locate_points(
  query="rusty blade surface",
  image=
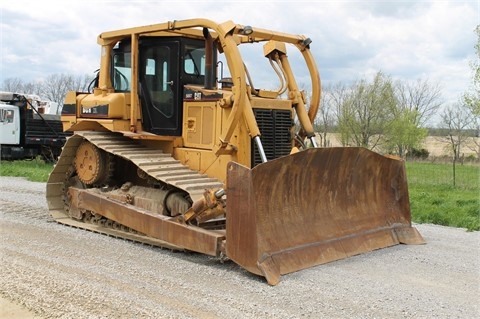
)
(313, 207)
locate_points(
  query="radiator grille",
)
(276, 129)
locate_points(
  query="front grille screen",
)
(276, 129)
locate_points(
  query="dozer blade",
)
(313, 207)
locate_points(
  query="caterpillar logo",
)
(101, 110)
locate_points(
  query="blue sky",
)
(407, 39)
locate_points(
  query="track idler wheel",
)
(92, 164)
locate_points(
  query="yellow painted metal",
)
(134, 102)
(301, 210)
(229, 35)
(199, 124)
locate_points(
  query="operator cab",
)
(166, 64)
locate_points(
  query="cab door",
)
(9, 125)
(160, 86)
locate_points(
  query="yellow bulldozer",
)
(168, 151)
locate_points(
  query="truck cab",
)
(28, 129)
(9, 124)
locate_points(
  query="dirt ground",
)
(10, 310)
(54, 271)
(437, 146)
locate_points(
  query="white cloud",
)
(351, 39)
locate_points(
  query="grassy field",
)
(437, 197)
(35, 170)
(433, 196)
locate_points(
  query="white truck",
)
(29, 127)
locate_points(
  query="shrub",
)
(418, 154)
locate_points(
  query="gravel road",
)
(54, 271)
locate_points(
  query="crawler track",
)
(156, 164)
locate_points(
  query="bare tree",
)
(325, 120)
(338, 94)
(32, 88)
(16, 85)
(81, 83)
(53, 88)
(56, 86)
(420, 98)
(458, 120)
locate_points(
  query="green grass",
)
(433, 196)
(34, 170)
(435, 199)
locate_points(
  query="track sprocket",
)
(92, 164)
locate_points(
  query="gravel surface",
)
(55, 271)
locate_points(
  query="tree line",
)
(378, 113)
(381, 114)
(53, 88)
(393, 116)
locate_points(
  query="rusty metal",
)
(314, 207)
(148, 223)
(209, 207)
